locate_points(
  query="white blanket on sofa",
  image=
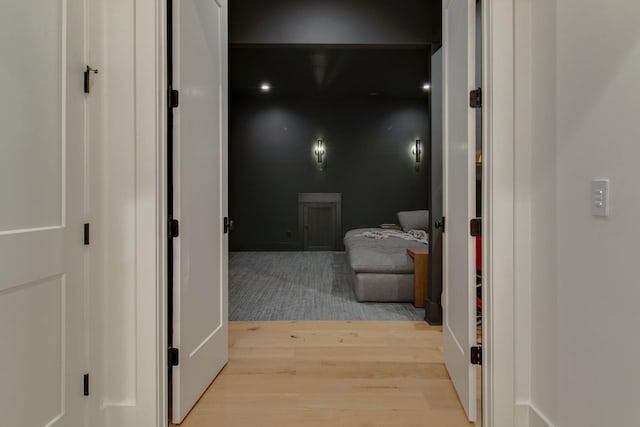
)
(412, 235)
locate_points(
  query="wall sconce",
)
(417, 151)
(319, 151)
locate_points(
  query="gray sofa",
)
(383, 271)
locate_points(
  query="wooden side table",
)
(420, 257)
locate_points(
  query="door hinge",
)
(475, 98)
(85, 381)
(173, 357)
(226, 225)
(87, 235)
(440, 224)
(174, 228)
(87, 78)
(174, 98)
(475, 227)
(476, 355)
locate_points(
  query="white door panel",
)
(41, 187)
(200, 201)
(459, 197)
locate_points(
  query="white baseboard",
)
(522, 414)
(527, 415)
(120, 415)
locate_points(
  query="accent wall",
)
(368, 158)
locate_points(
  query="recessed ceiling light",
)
(265, 87)
(426, 87)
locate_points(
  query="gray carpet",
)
(302, 286)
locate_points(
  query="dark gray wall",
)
(328, 22)
(368, 159)
(433, 309)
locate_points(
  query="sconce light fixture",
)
(319, 151)
(426, 87)
(417, 151)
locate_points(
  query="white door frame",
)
(498, 216)
(151, 212)
(499, 267)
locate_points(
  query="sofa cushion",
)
(414, 220)
(367, 255)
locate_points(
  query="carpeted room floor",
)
(301, 286)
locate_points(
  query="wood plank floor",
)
(331, 373)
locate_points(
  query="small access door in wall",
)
(319, 221)
(319, 232)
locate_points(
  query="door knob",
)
(440, 224)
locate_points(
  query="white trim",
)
(63, 111)
(162, 393)
(31, 230)
(537, 418)
(120, 415)
(523, 189)
(95, 195)
(531, 415)
(498, 213)
(522, 412)
(150, 212)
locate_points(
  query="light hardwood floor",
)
(331, 373)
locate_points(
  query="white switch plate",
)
(600, 197)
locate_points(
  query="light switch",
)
(600, 197)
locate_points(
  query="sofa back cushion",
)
(414, 220)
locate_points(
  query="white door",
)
(200, 199)
(459, 197)
(41, 213)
